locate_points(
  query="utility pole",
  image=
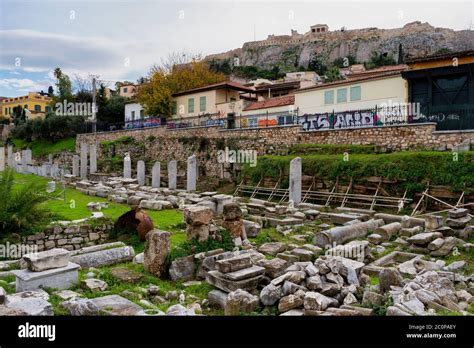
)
(94, 106)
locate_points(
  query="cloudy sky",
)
(121, 39)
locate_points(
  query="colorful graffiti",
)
(149, 122)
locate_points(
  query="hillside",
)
(291, 52)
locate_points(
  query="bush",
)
(223, 241)
(20, 208)
(51, 128)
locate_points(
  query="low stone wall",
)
(161, 144)
(71, 237)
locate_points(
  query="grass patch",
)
(75, 208)
(223, 241)
(413, 169)
(42, 148)
(331, 149)
(5, 283)
(117, 287)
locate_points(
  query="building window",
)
(202, 104)
(133, 115)
(142, 113)
(26, 106)
(190, 105)
(355, 93)
(329, 97)
(342, 95)
(47, 108)
(37, 108)
(125, 90)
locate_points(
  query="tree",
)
(63, 86)
(21, 209)
(156, 96)
(221, 66)
(112, 110)
(50, 91)
(115, 109)
(18, 115)
(333, 74)
(401, 58)
(344, 62)
(317, 64)
(379, 59)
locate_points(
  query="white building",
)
(134, 111)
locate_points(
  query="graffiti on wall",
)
(340, 120)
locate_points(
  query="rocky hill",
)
(290, 52)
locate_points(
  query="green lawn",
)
(117, 287)
(41, 148)
(75, 208)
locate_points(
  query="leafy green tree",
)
(377, 60)
(157, 95)
(18, 115)
(63, 87)
(318, 65)
(333, 74)
(112, 111)
(220, 66)
(344, 62)
(21, 209)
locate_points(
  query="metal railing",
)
(446, 118)
(453, 117)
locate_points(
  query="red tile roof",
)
(271, 103)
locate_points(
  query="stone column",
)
(46, 169)
(54, 170)
(157, 248)
(191, 174)
(29, 156)
(75, 165)
(127, 167)
(172, 174)
(84, 160)
(295, 180)
(24, 163)
(141, 173)
(93, 159)
(2, 158)
(10, 158)
(156, 175)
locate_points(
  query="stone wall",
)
(161, 144)
(71, 237)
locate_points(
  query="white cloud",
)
(36, 51)
(24, 85)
